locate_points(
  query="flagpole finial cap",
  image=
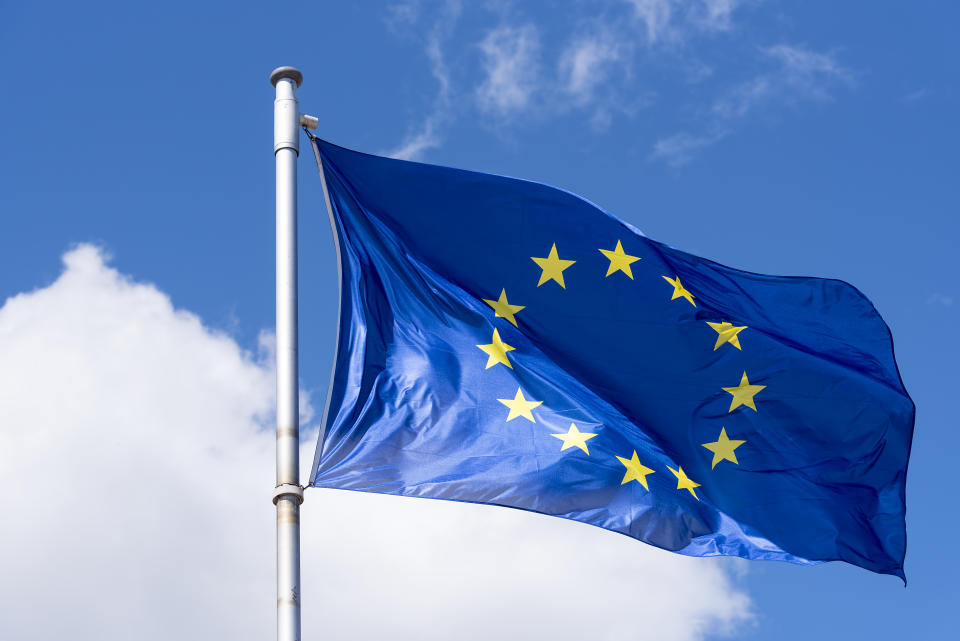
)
(286, 72)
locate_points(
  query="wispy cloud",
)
(593, 72)
(679, 149)
(809, 71)
(739, 100)
(716, 15)
(428, 134)
(593, 75)
(674, 21)
(511, 62)
(418, 142)
(587, 63)
(796, 74)
(523, 74)
(655, 16)
(936, 298)
(799, 74)
(402, 14)
(919, 94)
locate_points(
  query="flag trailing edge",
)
(506, 342)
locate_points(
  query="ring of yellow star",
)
(497, 351)
(636, 471)
(520, 406)
(619, 260)
(723, 448)
(679, 290)
(574, 438)
(552, 267)
(683, 482)
(726, 333)
(503, 309)
(743, 394)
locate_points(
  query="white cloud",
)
(440, 570)
(132, 465)
(136, 466)
(511, 66)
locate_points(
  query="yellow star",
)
(635, 471)
(619, 260)
(726, 333)
(743, 394)
(519, 406)
(552, 267)
(678, 290)
(503, 309)
(574, 438)
(683, 483)
(497, 351)
(723, 449)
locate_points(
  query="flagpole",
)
(288, 494)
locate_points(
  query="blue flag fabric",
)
(510, 343)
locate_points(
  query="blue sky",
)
(814, 138)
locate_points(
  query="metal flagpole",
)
(288, 494)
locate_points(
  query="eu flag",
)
(506, 342)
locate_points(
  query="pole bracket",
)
(288, 489)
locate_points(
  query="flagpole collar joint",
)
(280, 73)
(288, 489)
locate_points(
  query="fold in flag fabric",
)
(506, 342)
